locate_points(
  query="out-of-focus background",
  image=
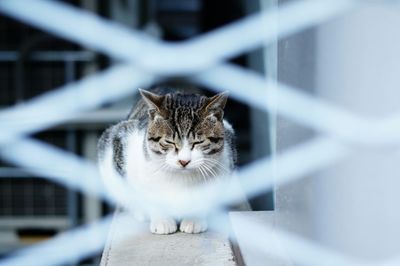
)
(335, 162)
(33, 62)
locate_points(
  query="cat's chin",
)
(182, 171)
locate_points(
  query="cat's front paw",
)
(163, 226)
(193, 226)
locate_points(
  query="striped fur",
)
(170, 142)
(181, 116)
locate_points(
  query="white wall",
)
(358, 68)
(352, 206)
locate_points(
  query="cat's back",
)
(116, 134)
(112, 144)
(116, 139)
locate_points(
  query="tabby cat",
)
(171, 142)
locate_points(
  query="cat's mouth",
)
(185, 169)
(180, 169)
(190, 171)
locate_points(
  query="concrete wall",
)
(353, 62)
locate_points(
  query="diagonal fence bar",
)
(70, 246)
(66, 102)
(303, 251)
(262, 29)
(65, 168)
(83, 175)
(251, 87)
(91, 238)
(166, 58)
(343, 119)
(80, 26)
(335, 152)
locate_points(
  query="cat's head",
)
(186, 132)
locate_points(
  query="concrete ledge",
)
(131, 243)
(273, 254)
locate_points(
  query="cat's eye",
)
(214, 139)
(197, 142)
(172, 143)
(155, 139)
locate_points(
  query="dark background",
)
(33, 62)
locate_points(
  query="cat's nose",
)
(184, 163)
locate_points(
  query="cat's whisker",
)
(209, 165)
(212, 166)
(163, 166)
(197, 161)
(158, 169)
(213, 172)
(217, 164)
(205, 174)
(198, 165)
(202, 172)
(207, 177)
(198, 169)
(206, 170)
(209, 169)
(222, 170)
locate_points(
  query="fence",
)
(143, 60)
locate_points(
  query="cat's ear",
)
(217, 101)
(216, 104)
(153, 101)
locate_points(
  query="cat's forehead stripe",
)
(184, 112)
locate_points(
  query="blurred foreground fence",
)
(142, 60)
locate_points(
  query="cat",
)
(171, 142)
